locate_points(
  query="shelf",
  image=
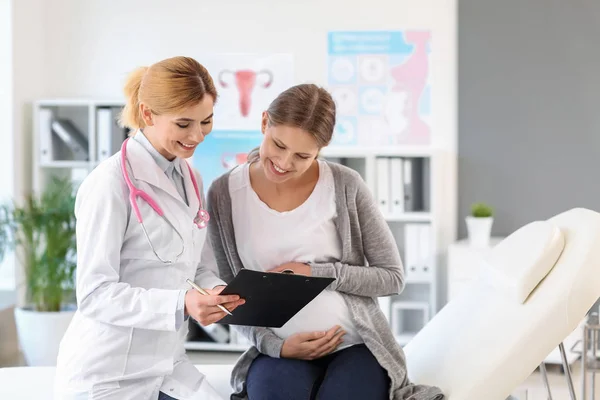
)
(391, 151)
(211, 346)
(409, 217)
(64, 102)
(66, 164)
(109, 103)
(80, 102)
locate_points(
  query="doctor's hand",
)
(298, 268)
(312, 345)
(204, 308)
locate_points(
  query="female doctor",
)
(141, 226)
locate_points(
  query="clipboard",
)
(272, 298)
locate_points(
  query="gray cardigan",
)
(364, 235)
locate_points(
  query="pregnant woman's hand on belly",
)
(204, 308)
(296, 267)
(312, 345)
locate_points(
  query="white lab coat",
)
(122, 342)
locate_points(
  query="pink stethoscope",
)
(201, 220)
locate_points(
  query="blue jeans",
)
(163, 396)
(351, 373)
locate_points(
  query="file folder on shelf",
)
(397, 186)
(413, 169)
(47, 152)
(418, 257)
(425, 269)
(72, 138)
(110, 134)
(383, 185)
(426, 185)
(411, 252)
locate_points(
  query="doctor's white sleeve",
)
(102, 209)
(207, 272)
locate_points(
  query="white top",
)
(267, 239)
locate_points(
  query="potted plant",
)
(41, 231)
(479, 224)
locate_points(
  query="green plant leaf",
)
(481, 210)
(43, 230)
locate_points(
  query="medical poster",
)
(380, 81)
(246, 84)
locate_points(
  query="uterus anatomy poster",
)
(380, 81)
(246, 85)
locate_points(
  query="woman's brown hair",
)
(305, 106)
(168, 86)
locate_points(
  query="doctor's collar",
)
(158, 158)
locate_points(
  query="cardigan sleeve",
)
(383, 272)
(220, 228)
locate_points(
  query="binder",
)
(383, 185)
(425, 254)
(426, 182)
(110, 134)
(397, 186)
(47, 152)
(408, 185)
(411, 252)
(104, 133)
(72, 137)
(413, 184)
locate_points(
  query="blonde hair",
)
(167, 86)
(305, 106)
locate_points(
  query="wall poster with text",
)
(380, 81)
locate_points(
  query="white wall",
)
(88, 47)
(26, 27)
(7, 280)
(91, 46)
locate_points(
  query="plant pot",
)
(40, 334)
(479, 230)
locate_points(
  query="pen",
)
(204, 292)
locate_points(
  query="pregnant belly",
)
(327, 310)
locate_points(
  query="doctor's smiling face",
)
(172, 103)
(178, 134)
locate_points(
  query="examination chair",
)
(531, 293)
(535, 288)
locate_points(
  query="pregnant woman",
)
(286, 209)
